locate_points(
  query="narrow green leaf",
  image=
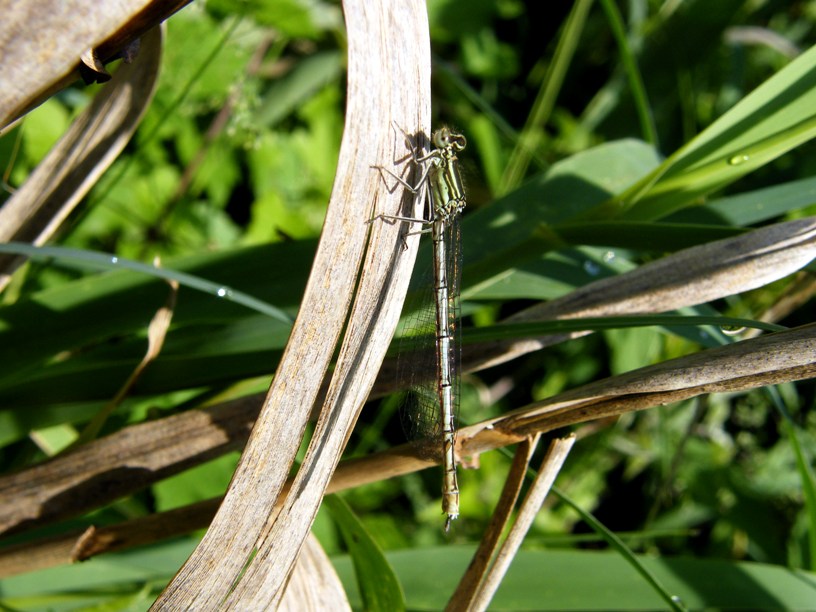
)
(531, 135)
(770, 121)
(376, 580)
(803, 465)
(672, 600)
(508, 331)
(592, 580)
(289, 93)
(639, 96)
(88, 312)
(752, 207)
(104, 261)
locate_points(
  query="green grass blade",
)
(532, 133)
(672, 601)
(378, 584)
(509, 331)
(808, 477)
(770, 121)
(639, 96)
(287, 94)
(103, 261)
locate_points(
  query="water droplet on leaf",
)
(591, 268)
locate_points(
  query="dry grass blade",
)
(79, 545)
(41, 55)
(550, 466)
(771, 359)
(76, 162)
(693, 276)
(776, 358)
(246, 556)
(156, 334)
(314, 584)
(468, 587)
(98, 473)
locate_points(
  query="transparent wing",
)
(417, 367)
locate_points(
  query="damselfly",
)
(445, 203)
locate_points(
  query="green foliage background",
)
(228, 178)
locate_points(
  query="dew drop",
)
(223, 292)
(609, 256)
(738, 159)
(591, 268)
(114, 260)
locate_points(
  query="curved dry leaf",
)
(247, 554)
(94, 65)
(72, 167)
(42, 41)
(771, 359)
(687, 278)
(314, 584)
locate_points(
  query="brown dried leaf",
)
(72, 167)
(42, 41)
(687, 278)
(314, 584)
(468, 588)
(246, 556)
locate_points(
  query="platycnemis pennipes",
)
(446, 202)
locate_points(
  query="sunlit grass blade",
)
(379, 586)
(531, 134)
(633, 74)
(74, 257)
(773, 119)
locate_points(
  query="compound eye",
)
(445, 138)
(441, 138)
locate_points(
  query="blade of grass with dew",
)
(103, 261)
(509, 331)
(773, 119)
